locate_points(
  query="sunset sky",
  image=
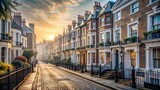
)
(51, 16)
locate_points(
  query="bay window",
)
(94, 25)
(108, 20)
(102, 22)
(108, 36)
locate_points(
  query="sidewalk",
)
(27, 84)
(108, 83)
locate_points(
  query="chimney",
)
(23, 22)
(87, 13)
(73, 23)
(18, 19)
(80, 18)
(31, 26)
(97, 6)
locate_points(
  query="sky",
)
(52, 16)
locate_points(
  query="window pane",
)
(108, 20)
(107, 57)
(102, 57)
(93, 57)
(108, 36)
(156, 57)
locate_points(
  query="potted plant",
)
(10, 37)
(134, 39)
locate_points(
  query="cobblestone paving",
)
(53, 78)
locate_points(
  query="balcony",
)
(5, 37)
(154, 34)
(80, 48)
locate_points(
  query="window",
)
(117, 35)
(101, 37)
(152, 1)
(94, 25)
(133, 30)
(102, 57)
(155, 21)
(17, 53)
(102, 22)
(3, 26)
(93, 58)
(107, 57)
(9, 25)
(108, 36)
(88, 40)
(117, 15)
(134, 7)
(88, 58)
(156, 57)
(108, 20)
(93, 40)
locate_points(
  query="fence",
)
(13, 79)
(149, 79)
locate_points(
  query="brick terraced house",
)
(120, 35)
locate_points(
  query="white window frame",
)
(131, 8)
(106, 35)
(150, 2)
(129, 31)
(149, 28)
(116, 28)
(152, 62)
(115, 16)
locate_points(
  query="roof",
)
(15, 25)
(83, 22)
(120, 3)
(107, 7)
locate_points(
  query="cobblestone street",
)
(52, 78)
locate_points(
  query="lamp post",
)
(122, 63)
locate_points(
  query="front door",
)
(117, 59)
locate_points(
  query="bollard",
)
(133, 78)
(8, 70)
(99, 71)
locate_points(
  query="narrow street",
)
(53, 78)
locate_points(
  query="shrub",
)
(28, 53)
(17, 63)
(4, 67)
(21, 58)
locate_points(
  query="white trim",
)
(150, 3)
(128, 28)
(149, 19)
(123, 6)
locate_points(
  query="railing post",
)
(91, 69)
(8, 70)
(133, 78)
(116, 75)
(99, 71)
(17, 76)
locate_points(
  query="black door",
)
(117, 59)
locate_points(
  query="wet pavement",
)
(53, 78)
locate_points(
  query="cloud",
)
(48, 15)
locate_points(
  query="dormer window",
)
(134, 8)
(117, 16)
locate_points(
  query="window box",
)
(131, 40)
(101, 44)
(152, 34)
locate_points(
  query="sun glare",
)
(50, 37)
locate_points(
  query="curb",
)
(89, 79)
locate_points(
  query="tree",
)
(6, 8)
(28, 53)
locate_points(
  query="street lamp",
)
(122, 63)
